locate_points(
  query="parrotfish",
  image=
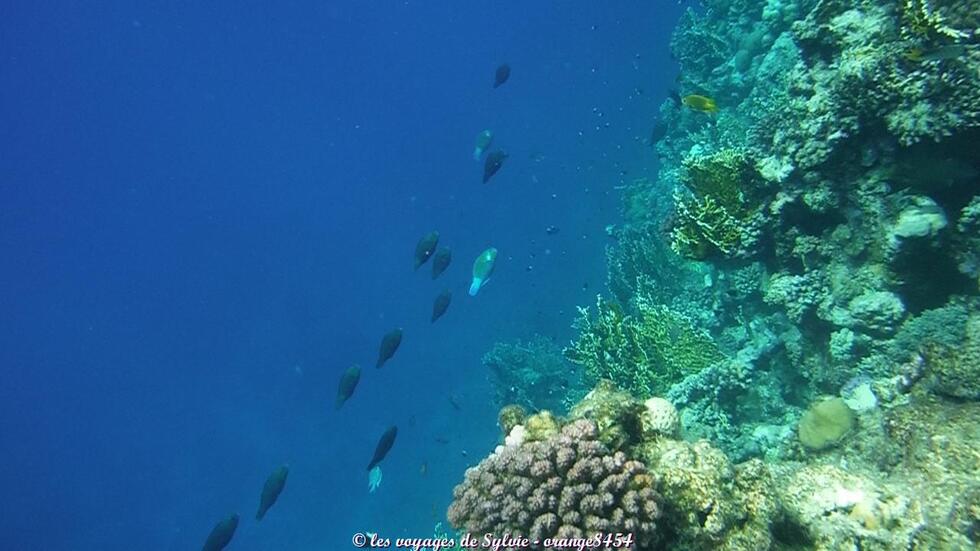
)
(270, 492)
(501, 76)
(440, 261)
(384, 446)
(221, 534)
(700, 103)
(348, 382)
(493, 163)
(389, 344)
(482, 270)
(483, 141)
(425, 247)
(374, 479)
(441, 304)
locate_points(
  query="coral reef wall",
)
(788, 356)
(823, 222)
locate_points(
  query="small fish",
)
(441, 439)
(440, 261)
(494, 161)
(482, 270)
(700, 103)
(348, 382)
(441, 304)
(221, 534)
(501, 75)
(425, 247)
(483, 141)
(658, 132)
(384, 446)
(270, 492)
(389, 344)
(552, 230)
(424, 468)
(455, 402)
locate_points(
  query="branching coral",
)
(718, 214)
(643, 353)
(921, 20)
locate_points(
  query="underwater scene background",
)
(733, 303)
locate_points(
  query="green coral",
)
(644, 353)
(825, 424)
(541, 426)
(510, 416)
(921, 20)
(716, 215)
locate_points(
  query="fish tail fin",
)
(475, 286)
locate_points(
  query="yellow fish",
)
(700, 103)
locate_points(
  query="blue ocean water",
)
(209, 211)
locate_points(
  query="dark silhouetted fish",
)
(501, 76)
(658, 132)
(454, 401)
(426, 246)
(493, 163)
(221, 534)
(270, 492)
(384, 446)
(440, 261)
(348, 382)
(441, 304)
(389, 344)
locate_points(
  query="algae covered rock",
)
(708, 502)
(541, 426)
(617, 415)
(510, 416)
(956, 371)
(829, 508)
(825, 424)
(877, 312)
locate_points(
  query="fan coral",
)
(530, 373)
(644, 354)
(569, 485)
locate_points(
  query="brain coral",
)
(825, 424)
(569, 485)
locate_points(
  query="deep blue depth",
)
(208, 212)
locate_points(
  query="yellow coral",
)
(644, 353)
(922, 21)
